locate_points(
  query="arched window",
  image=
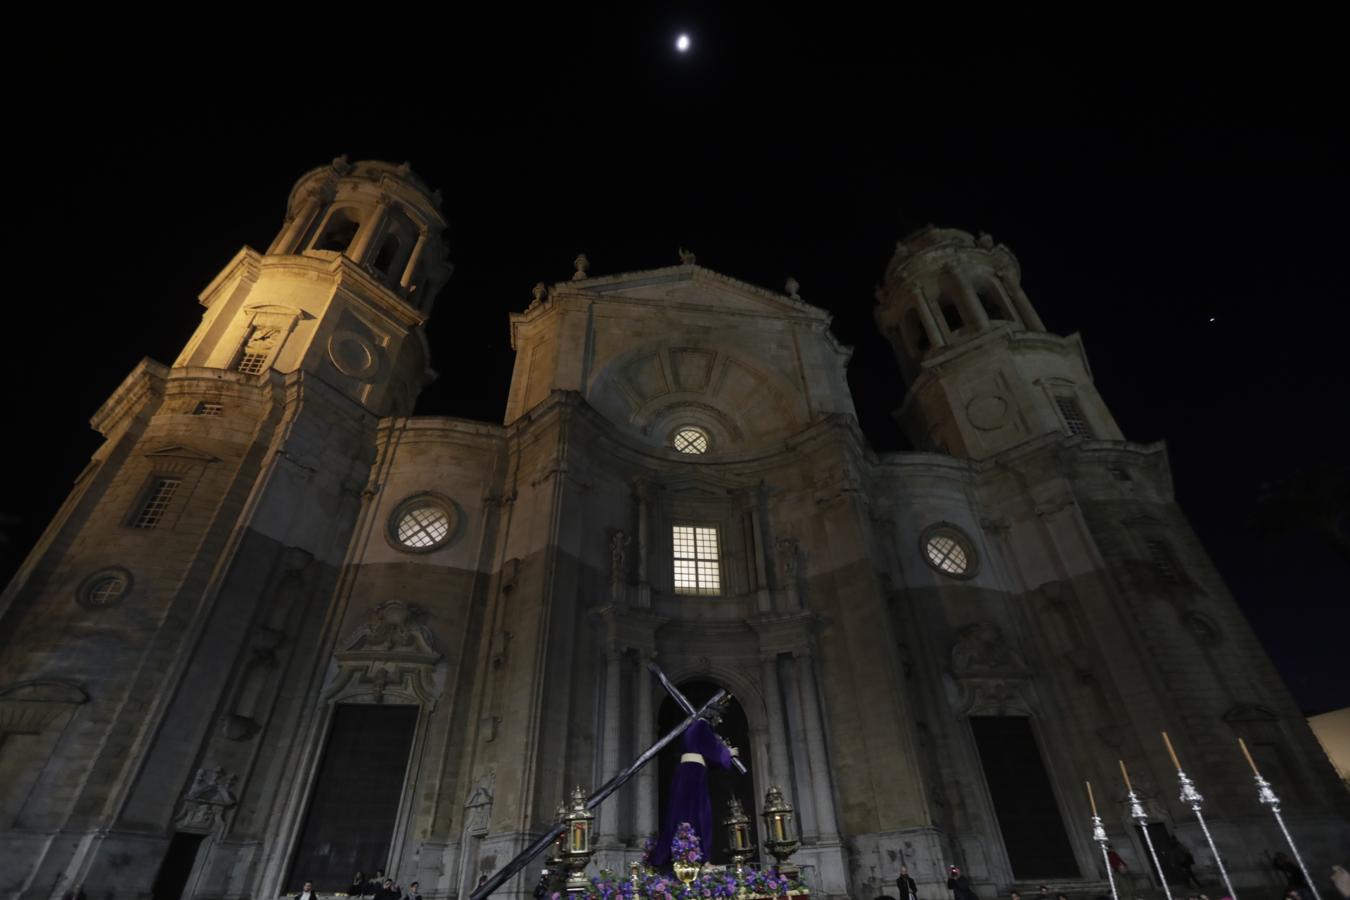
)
(992, 301)
(339, 230)
(390, 251)
(950, 313)
(918, 337)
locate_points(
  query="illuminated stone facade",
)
(268, 546)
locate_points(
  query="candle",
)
(1170, 752)
(1247, 753)
(1126, 775)
(1091, 799)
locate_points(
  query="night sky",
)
(1175, 190)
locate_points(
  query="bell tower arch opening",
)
(723, 784)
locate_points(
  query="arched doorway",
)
(722, 783)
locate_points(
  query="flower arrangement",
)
(723, 884)
(685, 848)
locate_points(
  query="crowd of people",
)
(379, 887)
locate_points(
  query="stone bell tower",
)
(342, 292)
(984, 374)
(146, 641)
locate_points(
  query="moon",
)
(682, 43)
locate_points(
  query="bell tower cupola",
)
(984, 374)
(342, 293)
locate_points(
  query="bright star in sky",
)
(682, 43)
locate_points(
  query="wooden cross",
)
(522, 859)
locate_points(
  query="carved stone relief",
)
(393, 653)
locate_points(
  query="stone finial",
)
(539, 290)
(792, 288)
(404, 167)
(582, 264)
(686, 257)
(342, 165)
(985, 240)
(902, 249)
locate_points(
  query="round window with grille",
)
(104, 588)
(422, 523)
(688, 439)
(947, 549)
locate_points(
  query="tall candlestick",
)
(1170, 752)
(1247, 753)
(1125, 775)
(1092, 800)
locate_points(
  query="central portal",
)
(723, 784)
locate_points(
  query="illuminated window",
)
(1074, 419)
(423, 522)
(156, 503)
(208, 409)
(697, 566)
(949, 551)
(690, 440)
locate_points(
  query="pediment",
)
(182, 451)
(695, 286)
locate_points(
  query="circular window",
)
(948, 550)
(422, 523)
(104, 588)
(352, 354)
(1201, 628)
(690, 440)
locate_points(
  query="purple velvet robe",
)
(689, 800)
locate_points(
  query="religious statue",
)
(686, 257)
(689, 798)
(582, 265)
(793, 287)
(539, 290)
(618, 556)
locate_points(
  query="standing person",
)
(412, 892)
(1184, 863)
(1116, 861)
(959, 885)
(388, 891)
(358, 885)
(909, 889)
(307, 893)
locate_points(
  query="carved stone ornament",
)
(582, 264)
(393, 653)
(686, 257)
(792, 288)
(478, 808)
(618, 552)
(981, 650)
(211, 794)
(993, 697)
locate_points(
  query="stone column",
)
(930, 325)
(1024, 308)
(779, 772)
(366, 236)
(290, 236)
(609, 755)
(640, 489)
(413, 259)
(822, 779)
(646, 735)
(968, 299)
(800, 789)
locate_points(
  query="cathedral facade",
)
(283, 630)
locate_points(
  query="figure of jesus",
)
(689, 799)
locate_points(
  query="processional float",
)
(570, 837)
